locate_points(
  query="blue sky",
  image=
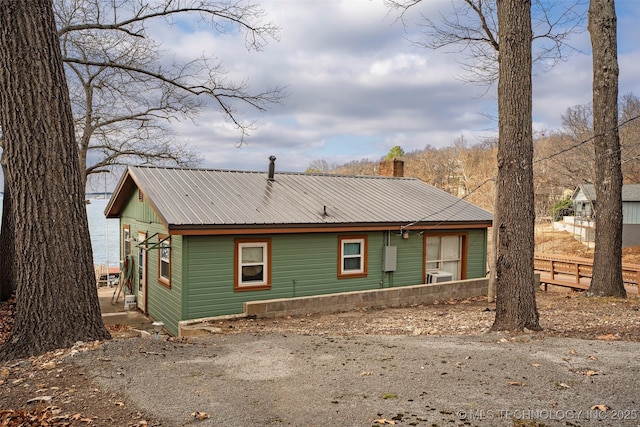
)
(357, 86)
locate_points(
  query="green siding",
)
(477, 254)
(409, 263)
(162, 303)
(476, 250)
(303, 264)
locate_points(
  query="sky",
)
(357, 85)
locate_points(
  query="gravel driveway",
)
(314, 380)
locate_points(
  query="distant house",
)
(205, 241)
(585, 209)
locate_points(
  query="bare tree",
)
(471, 29)
(630, 137)
(607, 260)
(320, 166)
(567, 158)
(515, 293)
(125, 92)
(49, 246)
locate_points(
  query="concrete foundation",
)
(379, 298)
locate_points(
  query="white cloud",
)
(358, 86)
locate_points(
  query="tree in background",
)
(320, 166)
(124, 92)
(629, 133)
(49, 245)
(607, 260)
(515, 292)
(395, 152)
(566, 158)
(461, 169)
(471, 29)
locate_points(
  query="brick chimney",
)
(393, 168)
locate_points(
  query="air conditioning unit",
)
(439, 276)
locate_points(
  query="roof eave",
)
(205, 229)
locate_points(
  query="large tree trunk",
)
(515, 294)
(57, 302)
(7, 250)
(607, 262)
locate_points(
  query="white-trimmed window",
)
(444, 253)
(164, 260)
(252, 264)
(126, 240)
(352, 256)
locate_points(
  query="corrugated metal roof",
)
(206, 198)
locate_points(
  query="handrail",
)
(569, 271)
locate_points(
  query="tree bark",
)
(607, 261)
(56, 298)
(7, 249)
(515, 294)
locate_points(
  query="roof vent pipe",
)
(272, 167)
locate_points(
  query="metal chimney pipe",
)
(272, 167)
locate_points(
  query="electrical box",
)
(389, 258)
(439, 276)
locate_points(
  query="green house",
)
(202, 242)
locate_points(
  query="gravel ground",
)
(317, 380)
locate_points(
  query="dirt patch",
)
(59, 390)
(563, 313)
(353, 368)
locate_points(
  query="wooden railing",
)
(576, 273)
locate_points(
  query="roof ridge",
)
(277, 173)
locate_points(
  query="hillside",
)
(552, 241)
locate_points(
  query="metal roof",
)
(206, 198)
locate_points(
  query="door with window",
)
(142, 272)
(444, 253)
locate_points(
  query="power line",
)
(460, 199)
(585, 141)
(493, 179)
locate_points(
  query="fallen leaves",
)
(200, 416)
(40, 399)
(7, 315)
(607, 337)
(48, 416)
(48, 365)
(383, 421)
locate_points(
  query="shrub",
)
(561, 208)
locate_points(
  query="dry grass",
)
(552, 241)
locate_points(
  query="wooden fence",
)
(576, 273)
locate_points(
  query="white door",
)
(142, 272)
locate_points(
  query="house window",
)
(164, 260)
(352, 256)
(252, 264)
(444, 253)
(126, 241)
